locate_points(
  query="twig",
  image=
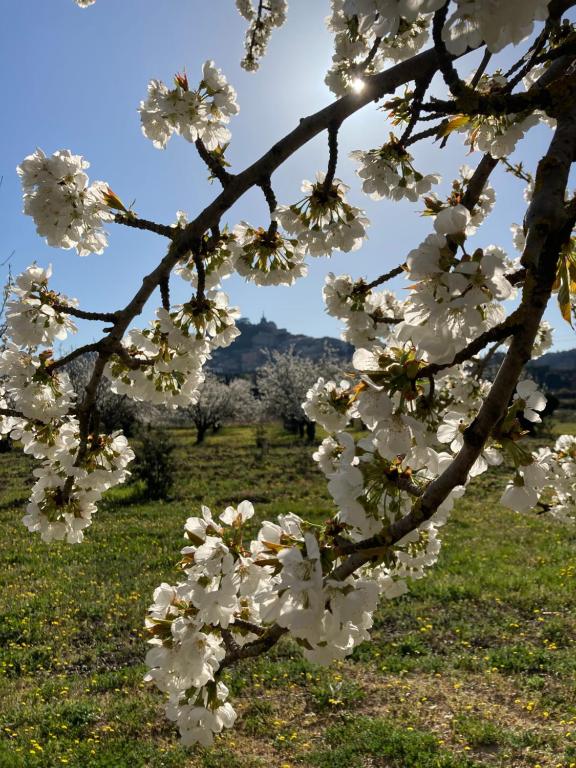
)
(214, 166)
(63, 361)
(266, 187)
(478, 181)
(428, 133)
(165, 292)
(13, 413)
(383, 278)
(417, 99)
(498, 333)
(149, 226)
(201, 269)
(104, 317)
(480, 366)
(481, 69)
(333, 129)
(449, 73)
(250, 627)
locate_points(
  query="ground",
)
(474, 667)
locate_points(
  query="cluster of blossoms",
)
(34, 313)
(370, 33)
(235, 593)
(389, 172)
(67, 211)
(323, 221)
(261, 24)
(546, 478)
(217, 258)
(368, 315)
(265, 257)
(163, 364)
(452, 300)
(481, 209)
(73, 474)
(193, 114)
(496, 134)
(416, 431)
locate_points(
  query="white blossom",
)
(193, 114)
(67, 211)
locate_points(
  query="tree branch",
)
(540, 276)
(13, 413)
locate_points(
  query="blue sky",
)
(73, 78)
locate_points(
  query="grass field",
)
(476, 666)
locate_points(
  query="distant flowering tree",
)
(432, 420)
(283, 383)
(219, 402)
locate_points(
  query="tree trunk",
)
(310, 431)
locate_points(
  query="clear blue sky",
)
(73, 78)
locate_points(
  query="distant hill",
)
(248, 352)
(556, 370)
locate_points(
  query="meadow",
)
(474, 667)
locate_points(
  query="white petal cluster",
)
(452, 300)
(193, 114)
(366, 314)
(68, 483)
(67, 210)
(218, 261)
(33, 316)
(368, 33)
(498, 136)
(324, 221)
(266, 257)
(35, 390)
(261, 25)
(66, 491)
(496, 24)
(163, 364)
(482, 208)
(531, 399)
(389, 172)
(326, 403)
(186, 622)
(544, 339)
(530, 482)
(402, 26)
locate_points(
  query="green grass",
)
(475, 667)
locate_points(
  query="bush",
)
(153, 463)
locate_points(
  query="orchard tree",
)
(433, 422)
(219, 402)
(283, 382)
